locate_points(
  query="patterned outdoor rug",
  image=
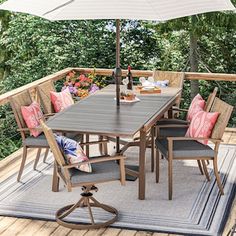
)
(197, 207)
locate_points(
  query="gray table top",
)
(98, 113)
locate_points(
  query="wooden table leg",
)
(153, 130)
(142, 150)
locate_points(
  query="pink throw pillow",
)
(61, 100)
(202, 125)
(197, 104)
(32, 114)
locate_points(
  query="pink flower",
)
(82, 78)
(77, 84)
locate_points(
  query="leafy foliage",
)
(9, 136)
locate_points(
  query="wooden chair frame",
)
(61, 168)
(24, 99)
(43, 91)
(225, 111)
(61, 171)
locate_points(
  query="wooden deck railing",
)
(4, 98)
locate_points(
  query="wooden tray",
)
(154, 91)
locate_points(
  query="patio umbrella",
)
(156, 10)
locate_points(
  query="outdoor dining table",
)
(98, 114)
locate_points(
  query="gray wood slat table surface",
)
(98, 114)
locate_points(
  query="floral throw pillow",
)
(202, 125)
(61, 100)
(73, 153)
(197, 104)
(32, 114)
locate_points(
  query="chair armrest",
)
(171, 139)
(28, 129)
(178, 109)
(94, 160)
(23, 129)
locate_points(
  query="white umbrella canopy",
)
(156, 10)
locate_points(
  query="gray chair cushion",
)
(39, 141)
(102, 171)
(172, 122)
(186, 148)
(173, 132)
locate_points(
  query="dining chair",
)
(43, 91)
(40, 142)
(104, 169)
(174, 127)
(177, 127)
(185, 148)
(178, 121)
(176, 80)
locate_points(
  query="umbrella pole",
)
(117, 74)
(117, 71)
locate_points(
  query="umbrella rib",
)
(56, 8)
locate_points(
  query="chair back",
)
(53, 144)
(16, 102)
(210, 100)
(176, 79)
(225, 111)
(43, 91)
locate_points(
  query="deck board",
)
(126, 232)
(61, 231)
(16, 227)
(111, 232)
(95, 232)
(32, 228)
(26, 227)
(78, 232)
(5, 223)
(47, 229)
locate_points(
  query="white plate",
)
(127, 101)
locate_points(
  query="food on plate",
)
(127, 96)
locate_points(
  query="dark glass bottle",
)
(129, 75)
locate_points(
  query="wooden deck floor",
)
(10, 226)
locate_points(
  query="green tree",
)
(4, 19)
(198, 27)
